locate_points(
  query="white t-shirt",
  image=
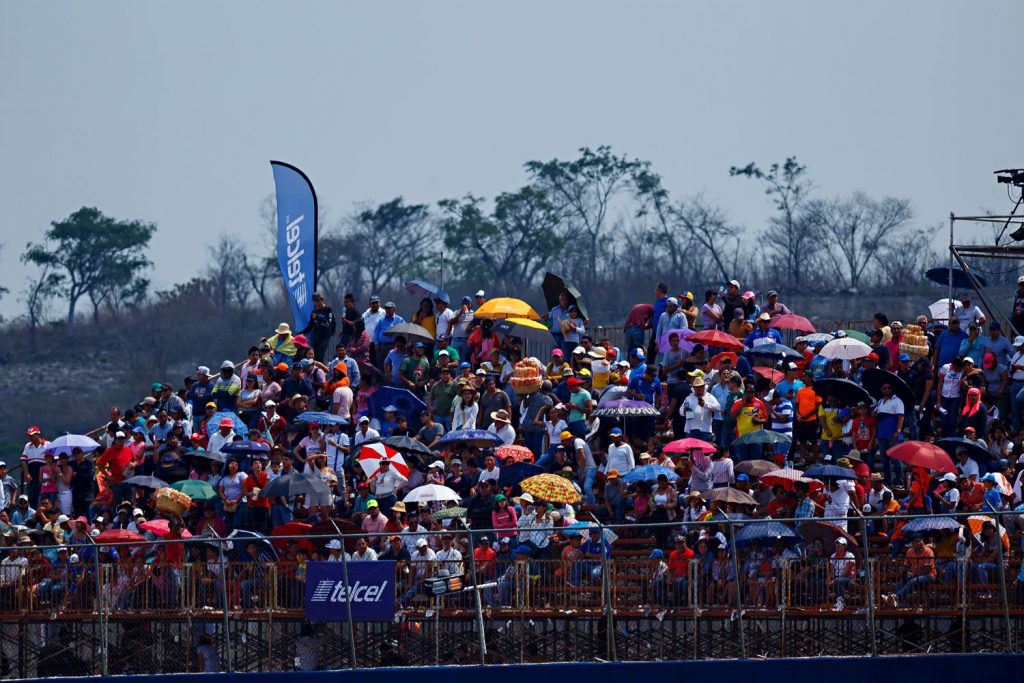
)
(441, 321)
(490, 474)
(838, 503)
(588, 457)
(233, 487)
(555, 430)
(34, 453)
(506, 433)
(620, 458)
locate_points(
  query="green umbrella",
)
(858, 335)
(195, 489)
(449, 513)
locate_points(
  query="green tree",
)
(512, 245)
(95, 256)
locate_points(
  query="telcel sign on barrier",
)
(370, 591)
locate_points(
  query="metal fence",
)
(129, 611)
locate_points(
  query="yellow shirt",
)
(426, 321)
(745, 419)
(833, 428)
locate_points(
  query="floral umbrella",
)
(550, 487)
(517, 453)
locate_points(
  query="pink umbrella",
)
(664, 346)
(687, 445)
(792, 321)
(160, 528)
(370, 455)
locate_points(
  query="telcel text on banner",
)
(296, 238)
(370, 591)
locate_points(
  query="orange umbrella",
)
(506, 307)
(975, 523)
(292, 529)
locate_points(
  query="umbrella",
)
(237, 425)
(120, 536)
(161, 527)
(513, 474)
(146, 482)
(429, 493)
(298, 483)
(931, 523)
(626, 409)
(873, 379)
(830, 472)
(524, 328)
(940, 309)
(819, 338)
(422, 288)
(407, 445)
(411, 331)
(727, 494)
(62, 445)
(844, 348)
(849, 393)
(811, 530)
(323, 418)
(857, 335)
(755, 468)
(292, 529)
(922, 454)
(762, 436)
(940, 276)
(370, 455)
(777, 350)
(716, 339)
(975, 522)
(649, 473)
(1002, 485)
(787, 477)
(479, 438)
(449, 513)
(766, 531)
(792, 321)
(215, 456)
(550, 487)
(505, 307)
(195, 489)
(975, 450)
(517, 453)
(239, 538)
(553, 285)
(771, 374)
(247, 447)
(408, 403)
(664, 345)
(716, 360)
(687, 445)
(721, 516)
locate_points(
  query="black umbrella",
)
(940, 276)
(553, 285)
(300, 483)
(146, 482)
(975, 450)
(874, 379)
(407, 445)
(849, 393)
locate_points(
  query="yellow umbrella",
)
(506, 307)
(550, 487)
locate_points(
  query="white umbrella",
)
(940, 309)
(63, 445)
(845, 348)
(428, 493)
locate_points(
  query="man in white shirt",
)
(224, 436)
(966, 465)
(620, 453)
(443, 316)
(838, 502)
(385, 484)
(364, 432)
(491, 471)
(876, 492)
(372, 316)
(969, 313)
(699, 410)
(449, 558)
(501, 425)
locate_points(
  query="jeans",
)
(280, 514)
(680, 593)
(1016, 403)
(912, 584)
(173, 586)
(983, 568)
(445, 421)
(535, 442)
(634, 338)
(841, 584)
(248, 590)
(952, 406)
(547, 460)
(588, 485)
(578, 428)
(460, 345)
(888, 463)
(586, 571)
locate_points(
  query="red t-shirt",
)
(679, 563)
(863, 430)
(251, 482)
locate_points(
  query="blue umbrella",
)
(513, 474)
(407, 403)
(62, 445)
(648, 473)
(960, 280)
(321, 418)
(473, 437)
(830, 471)
(767, 530)
(778, 350)
(246, 447)
(422, 288)
(931, 524)
(239, 426)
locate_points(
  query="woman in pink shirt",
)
(504, 517)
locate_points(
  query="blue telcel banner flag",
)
(296, 238)
(371, 591)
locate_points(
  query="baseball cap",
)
(840, 541)
(372, 504)
(268, 404)
(614, 431)
(421, 543)
(335, 544)
(734, 283)
(672, 300)
(202, 370)
(136, 512)
(227, 365)
(994, 325)
(480, 292)
(792, 366)
(1018, 340)
(32, 430)
(566, 434)
(579, 350)
(389, 304)
(904, 356)
(657, 553)
(638, 353)
(742, 477)
(363, 419)
(62, 519)
(119, 435)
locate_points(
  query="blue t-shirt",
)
(1001, 347)
(757, 337)
(786, 386)
(947, 346)
(395, 358)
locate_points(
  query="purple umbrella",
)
(627, 409)
(62, 445)
(686, 347)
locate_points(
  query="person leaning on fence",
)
(919, 571)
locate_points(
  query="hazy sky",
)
(171, 111)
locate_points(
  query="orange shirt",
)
(807, 402)
(921, 563)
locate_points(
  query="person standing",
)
(458, 327)
(32, 459)
(321, 327)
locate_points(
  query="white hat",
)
(421, 543)
(580, 350)
(438, 464)
(479, 292)
(202, 370)
(73, 559)
(840, 540)
(1018, 340)
(335, 544)
(363, 419)
(735, 283)
(94, 533)
(283, 328)
(226, 365)
(268, 404)
(1020, 279)
(62, 519)
(672, 300)
(119, 435)
(137, 512)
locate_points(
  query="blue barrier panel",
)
(959, 668)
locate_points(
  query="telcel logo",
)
(328, 590)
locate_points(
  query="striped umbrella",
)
(975, 522)
(370, 455)
(550, 487)
(787, 477)
(627, 409)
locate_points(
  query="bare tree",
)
(902, 261)
(37, 295)
(230, 283)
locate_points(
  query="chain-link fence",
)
(716, 589)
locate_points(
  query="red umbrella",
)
(160, 527)
(687, 445)
(370, 455)
(922, 454)
(292, 529)
(120, 536)
(716, 361)
(716, 338)
(517, 453)
(787, 477)
(769, 373)
(792, 321)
